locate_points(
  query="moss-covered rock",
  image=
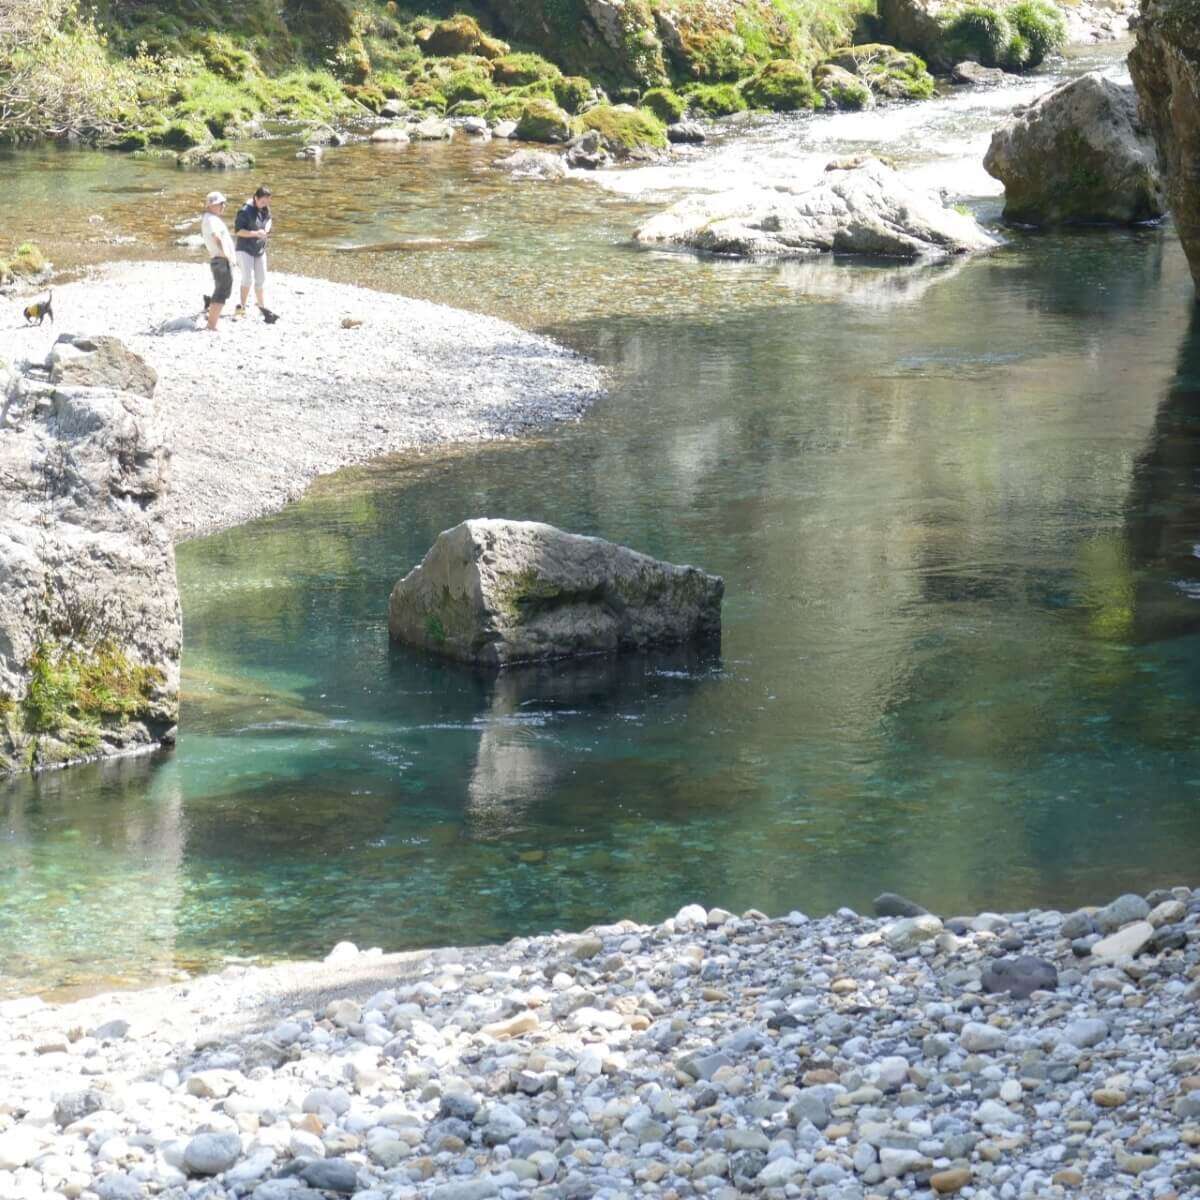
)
(888, 72)
(185, 133)
(513, 70)
(460, 35)
(715, 99)
(782, 87)
(625, 130)
(543, 121)
(471, 84)
(572, 92)
(665, 104)
(841, 89)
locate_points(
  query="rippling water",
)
(956, 512)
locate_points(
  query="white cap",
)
(214, 198)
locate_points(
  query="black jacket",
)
(250, 216)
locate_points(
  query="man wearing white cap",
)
(219, 244)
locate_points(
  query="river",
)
(955, 509)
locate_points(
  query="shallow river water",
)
(957, 515)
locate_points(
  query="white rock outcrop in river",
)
(862, 208)
(1078, 155)
(497, 592)
(89, 609)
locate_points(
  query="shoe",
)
(239, 312)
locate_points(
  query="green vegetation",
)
(715, 99)
(665, 104)
(783, 87)
(888, 72)
(624, 130)
(1013, 38)
(74, 694)
(183, 73)
(841, 89)
(543, 121)
(26, 260)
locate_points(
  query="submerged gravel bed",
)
(1030, 1055)
(255, 412)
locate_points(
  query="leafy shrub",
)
(1041, 25)
(979, 33)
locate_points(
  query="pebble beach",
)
(1035, 1054)
(254, 413)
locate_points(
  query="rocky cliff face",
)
(89, 608)
(1165, 65)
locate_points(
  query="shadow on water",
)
(1164, 508)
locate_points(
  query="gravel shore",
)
(255, 412)
(1037, 1054)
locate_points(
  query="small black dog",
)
(269, 316)
(37, 313)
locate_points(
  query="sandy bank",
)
(254, 413)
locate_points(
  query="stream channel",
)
(956, 510)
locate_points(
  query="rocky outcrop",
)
(89, 609)
(497, 592)
(861, 208)
(1165, 65)
(1078, 155)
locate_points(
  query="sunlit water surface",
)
(956, 512)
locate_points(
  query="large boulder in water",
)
(1078, 155)
(1165, 65)
(860, 208)
(497, 592)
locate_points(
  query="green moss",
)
(624, 130)
(434, 628)
(715, 99)
(543, 121)
(782, 87)
(426, 97)
(468, 85)
(505, 108)
(888, 72)
(572, 92)
(77, 692)
(1042, 27)
(513, 70)
(665, 104)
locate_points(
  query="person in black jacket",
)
(252, 226)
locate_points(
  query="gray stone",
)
(978, 1038)
(1089, 1031)
(1078, 154)
(1077, 925)
(1020, 977)
(860, 207)
(432, 129)
(110, 1031)
(472, 1189)
(499, 592)
(1122, 911)
(686, 133)
(705, 1066)
(391, 134)
(908, 933)
(77, 1105)
(889, 904)
(215, 158)
(119, 1187)
(533, 164)
(976, 75)
(99, 362)
(211, 1153)
(331, 1175)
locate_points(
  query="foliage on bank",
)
(136, 76)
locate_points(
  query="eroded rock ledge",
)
(1165, 66)
(89, 607)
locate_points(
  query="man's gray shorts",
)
(253, 268)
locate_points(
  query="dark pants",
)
(222, 271)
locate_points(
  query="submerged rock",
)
(862, 208)
(210, 158)
(497, 592)
(975, 75)
(1165, 66)
(395, 134)
(534, 164)
(1078, 155)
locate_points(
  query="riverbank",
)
(256, 412)
(842, 1057)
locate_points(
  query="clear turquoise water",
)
(959, 533)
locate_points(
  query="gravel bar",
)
(255, 412)
(1037, 1054)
